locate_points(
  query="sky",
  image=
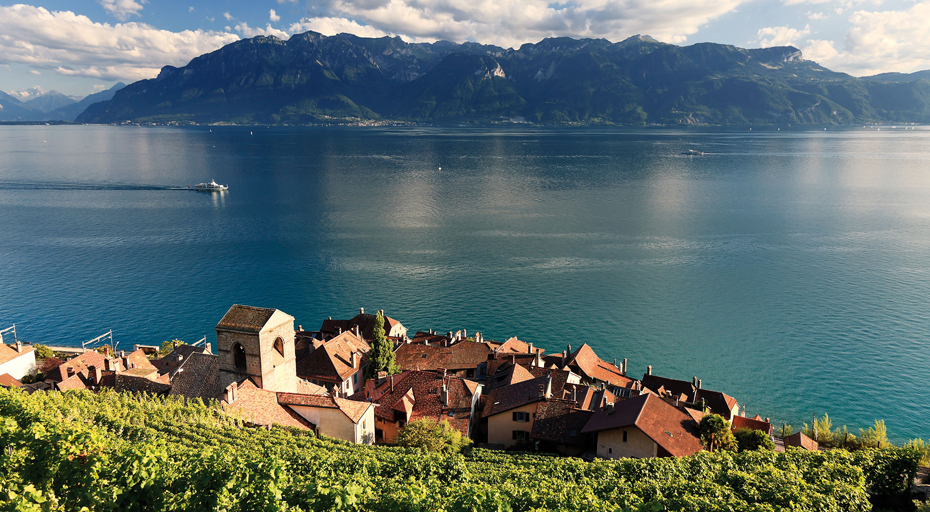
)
(82, 46)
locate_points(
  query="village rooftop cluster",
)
(501, 395)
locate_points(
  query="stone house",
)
(641, 427)
(334, 417)
(338, 364)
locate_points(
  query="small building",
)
(334, 417)
(756, 423)
(17, 359)
(511, 410)
(338, 364)
(465, 359)
(799, 440)
(691, 393)
(641, 427)
(558, 427)
(417, 395)
(7, 381)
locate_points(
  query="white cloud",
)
(513, 22)
(781, 36)
(122, 9)
(99, 87)
(73, 45)
(273, 16)
(190, 9)
(333, 26)
(247, 31)
(291, 1)
(816, 15)
(34, 72)
(878, 42)
(228, 16)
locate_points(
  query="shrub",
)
(753, 440)
(43, 352)
(432, 436)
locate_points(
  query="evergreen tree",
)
(381, 355)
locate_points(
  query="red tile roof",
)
(801, 441)
(670, 428)
(717, 402)
(585, 362)
(9, 353)
(751, 423)
(418, 395)
(353, 409)
(7, 381)
(79, 363)
(75, 381)
(333, 360)
(261, 407)
(515, 346)
(505, 398)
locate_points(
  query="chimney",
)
(464, 333)
(569, 349)
(208, 348)
(444, 396)
(623, 369)
(19, 346)
(354, 359)
(649, 370)
(539, 361)
(564, 358)
(361, 311)
(531, 348)
(513, 359)
(300, 327)
(575, 394)
(699, 384)
(70, 371)
(694, 381)
(615, 363)
(381, 311)
(338, 330)
(610, 408)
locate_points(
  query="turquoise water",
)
(787, 268)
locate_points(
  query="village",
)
(500, 395)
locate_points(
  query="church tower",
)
(257, 343)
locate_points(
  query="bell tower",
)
(258, 344)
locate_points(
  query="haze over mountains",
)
(311, 78)
(34, 104)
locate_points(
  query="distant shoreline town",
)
(364, 379)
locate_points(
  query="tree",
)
(168, 346)
(49, 364)
(432, 436)
(748, 439)
(716, 434)
(381, 355)
(43, 352)
(875, 437)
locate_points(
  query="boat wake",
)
(56, 185)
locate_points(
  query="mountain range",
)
(311, 78)
(37, 105)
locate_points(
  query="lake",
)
(788, 268)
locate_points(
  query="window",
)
(521, 435)
(279, 345)
(239, 356)
(355, 379)
(522, 417)
(611, 450)
(624, 436)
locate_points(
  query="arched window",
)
(279, 346)
(239, 356)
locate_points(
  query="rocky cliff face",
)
(311, 78)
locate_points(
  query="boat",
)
(692, 152)
(213, 186)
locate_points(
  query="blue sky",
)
(81, 46)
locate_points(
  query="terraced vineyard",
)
(109, 451)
